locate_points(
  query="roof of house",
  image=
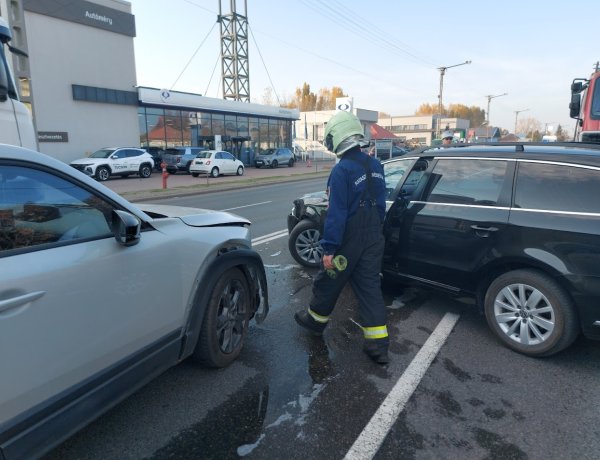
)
(378, 132)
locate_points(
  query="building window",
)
(104, 95)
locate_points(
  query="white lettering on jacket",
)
(375, 175)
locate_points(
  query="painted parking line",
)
(269, 237)
(370, 439)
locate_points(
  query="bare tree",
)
(529, 126)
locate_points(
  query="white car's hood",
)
(192, 216)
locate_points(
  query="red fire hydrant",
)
(165, 174)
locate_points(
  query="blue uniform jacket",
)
(345, 185)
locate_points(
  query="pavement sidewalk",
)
(134, 188)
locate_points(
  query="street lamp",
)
(517, 112)
(442, 73)
(489, 98)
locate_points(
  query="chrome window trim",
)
(569, 213)
(504, 208)
(560, 163)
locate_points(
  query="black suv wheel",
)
(530, 313)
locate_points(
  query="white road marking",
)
(369, 441)
(269, 237)
(247, 206)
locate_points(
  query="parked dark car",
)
(273, 158)
(516, 226)
(396, 152)
(180, 158)
(157, 156)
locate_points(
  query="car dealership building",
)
(80, 83)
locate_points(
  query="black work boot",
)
(377, 351)
(308, 323)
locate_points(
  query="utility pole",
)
(489, 98)
(440, 104)
(517, 112)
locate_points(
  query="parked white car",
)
(115, 161)
(216, 163)
(98, 296)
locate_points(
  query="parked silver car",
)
(272, 158)
(83, 322)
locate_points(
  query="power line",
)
(190, 60)
(345, 18)
(263, 62)
(212, 74)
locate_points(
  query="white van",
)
(16, 125)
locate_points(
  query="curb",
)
(158, 194)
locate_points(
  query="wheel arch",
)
(492, 271)
(246, 260)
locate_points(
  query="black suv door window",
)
(467, 181)
(554, 187)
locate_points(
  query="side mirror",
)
(575, 106)
(126, 228)
(576, 87)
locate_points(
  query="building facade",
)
(171, 119)
(81, 86)
(422, 129)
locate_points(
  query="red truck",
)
(585, 107)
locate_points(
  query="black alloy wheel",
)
(225, 323)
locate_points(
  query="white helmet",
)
(447, 134)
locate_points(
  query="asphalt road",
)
(458, 393)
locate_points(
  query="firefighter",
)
(353, 229)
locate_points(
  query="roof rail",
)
(521, 145)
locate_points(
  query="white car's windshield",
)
(103, 153)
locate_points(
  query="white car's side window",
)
(38, 208)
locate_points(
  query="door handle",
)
(483, 232)
(15, 302)
(477, 228)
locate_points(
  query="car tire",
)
(303, 244)
(538, 330)
(257, 166)
(145, 171)
(291, 163)
(274, 164)
(195, 174)
(214, 172)
(225, 322)
(240, 171)
(102, 173)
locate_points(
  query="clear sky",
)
(384, 53)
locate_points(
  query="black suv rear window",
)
(557, 188)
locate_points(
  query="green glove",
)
(339, 263)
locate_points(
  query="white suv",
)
(114, 161)
(83, 321)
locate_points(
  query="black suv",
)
(517, 226)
